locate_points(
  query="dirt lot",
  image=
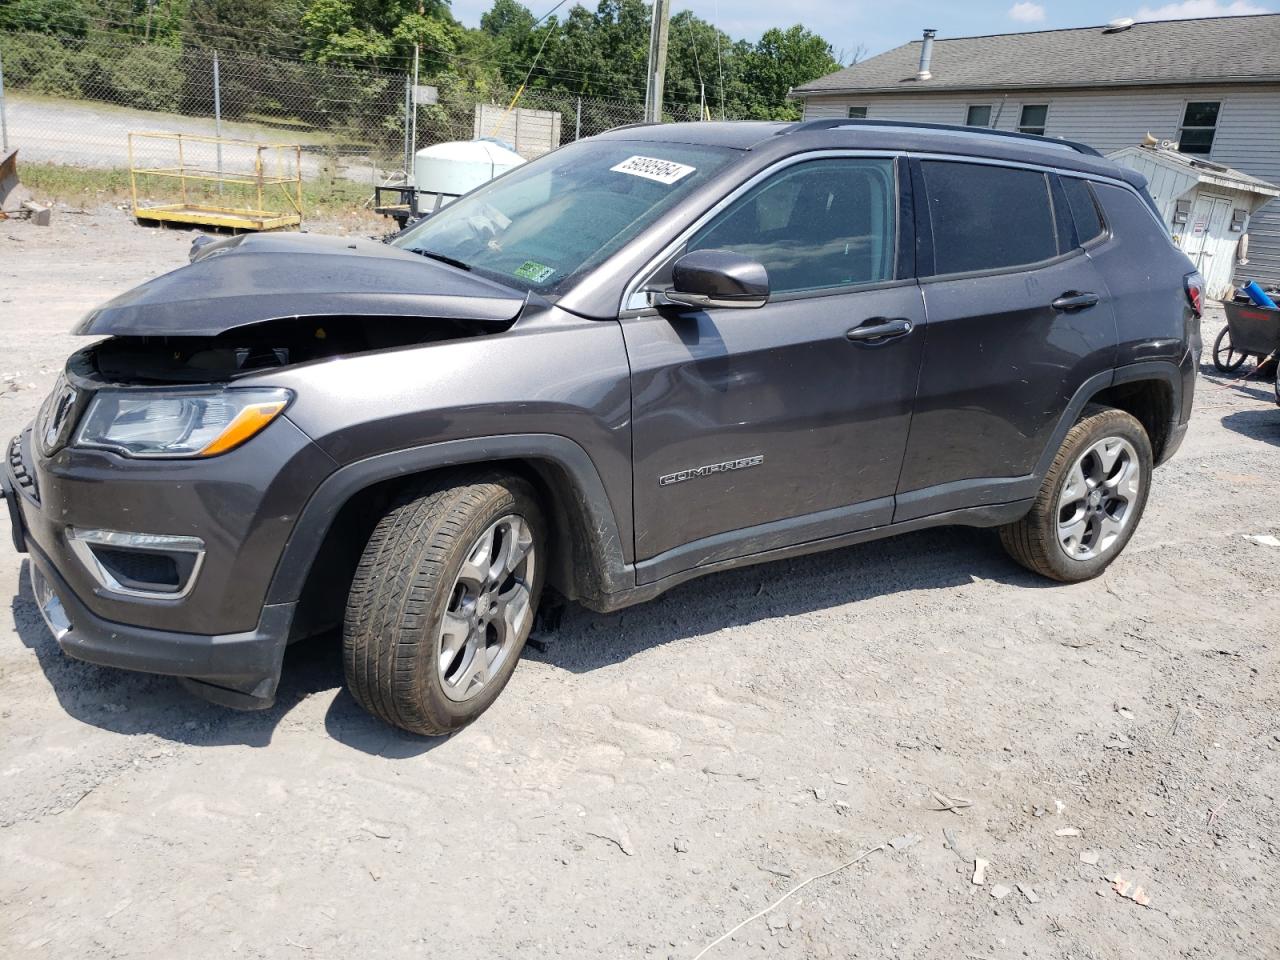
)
(661, 774)
(91, 134)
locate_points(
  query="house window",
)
(1198, 123)
(978, 115)
(1033, 118)
(857, 113)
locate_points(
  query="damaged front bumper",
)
(235, 669)
(219, 636)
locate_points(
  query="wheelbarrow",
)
(1251, 331)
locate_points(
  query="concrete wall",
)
(531, 132)
(1247, 137)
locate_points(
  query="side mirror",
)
(718, 278)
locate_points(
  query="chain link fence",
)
(74, 101)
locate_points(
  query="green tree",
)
(375, 32)
(781, 60)
(67, 18)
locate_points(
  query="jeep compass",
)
(647, 356)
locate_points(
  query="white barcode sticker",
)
(651, 168)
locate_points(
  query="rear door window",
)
(1083, 209)
(988, 217)
(816, 225)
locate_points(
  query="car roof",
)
(838, 133)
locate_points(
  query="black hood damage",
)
(255, 278)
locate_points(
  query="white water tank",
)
(448, 170)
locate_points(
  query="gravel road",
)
(660, 774)
(87, 134)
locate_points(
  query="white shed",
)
(1205, 206)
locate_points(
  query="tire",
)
(1224, 358)
(1050, 539)
(411, 600)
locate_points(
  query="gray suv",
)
(650, 355)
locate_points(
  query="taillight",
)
(1195, 292)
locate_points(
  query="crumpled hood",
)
(252, 278)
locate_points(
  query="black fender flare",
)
(597, 527)
(1167, 371)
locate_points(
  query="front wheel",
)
(1225, 358)
(443, 601)
(1090, 500)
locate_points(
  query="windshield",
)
(547, 222)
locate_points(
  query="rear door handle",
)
(1072, 300)
(878, 329)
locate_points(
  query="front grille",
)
(21, 475)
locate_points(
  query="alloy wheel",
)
(489, 608)
(1099, 498)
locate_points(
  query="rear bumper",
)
(237, 669)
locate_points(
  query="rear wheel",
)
(1225, 358)
(1089, 502)
(442, 603)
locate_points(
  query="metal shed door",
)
(1209, 218)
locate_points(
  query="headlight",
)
(178, 423)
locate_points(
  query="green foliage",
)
(67, 18)
(339, 65)
(146, 77)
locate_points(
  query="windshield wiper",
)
(443, 258)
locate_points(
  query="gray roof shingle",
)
(1222, 49)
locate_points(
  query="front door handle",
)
(1074, 300)
(879, 330)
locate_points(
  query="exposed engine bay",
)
(160, 360)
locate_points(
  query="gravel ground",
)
(658, 775)
(88, 134)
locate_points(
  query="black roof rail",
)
(834, 123)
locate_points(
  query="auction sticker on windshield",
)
(663, 171)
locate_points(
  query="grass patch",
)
(78, 186)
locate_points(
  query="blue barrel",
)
(1258, 295)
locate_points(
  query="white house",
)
(1210, 86)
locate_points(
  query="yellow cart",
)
(220, 182)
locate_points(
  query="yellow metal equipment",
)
(222, 182)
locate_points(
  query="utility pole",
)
(4, 125)
(657, 61)
(408, 113)
(217, 115)
(413, 126)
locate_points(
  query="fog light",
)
(146, 565)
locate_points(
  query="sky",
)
(880, 25)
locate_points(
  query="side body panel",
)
(1000, 367)
(1144, 274)
(828, 418)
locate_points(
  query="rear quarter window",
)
(988, 217)
(1134, 223)
(1083, 209)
